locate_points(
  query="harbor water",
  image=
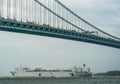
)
(36, 80)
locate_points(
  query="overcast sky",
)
(33, 51)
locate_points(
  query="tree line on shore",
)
(109, 73)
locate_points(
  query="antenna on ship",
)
(13, 73)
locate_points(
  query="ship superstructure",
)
(40, 72)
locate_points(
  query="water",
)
(91, 80)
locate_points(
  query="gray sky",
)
(30, 50)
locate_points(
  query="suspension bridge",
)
(51, 18)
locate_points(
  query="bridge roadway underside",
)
(44, 30)
(81, 80)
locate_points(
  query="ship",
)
(56, 73)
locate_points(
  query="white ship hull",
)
(52, 74)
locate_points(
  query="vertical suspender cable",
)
(44, 13)
(48, 12)
(18, 10)
(63, 17)
(1, 8)
(10, 7)
(37, 13)
(40, 15)
(7, 9)
(37, 8)
(26, 10)
(30, 10)
(58, 12)
(70, 21)
(13, 13)
(66, 18)
(34, 13)
(53, 14)
(59, 19)
(55, 18)
(14, 9)
(79, 25)
(21, 11)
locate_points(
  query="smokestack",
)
(83, 65)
